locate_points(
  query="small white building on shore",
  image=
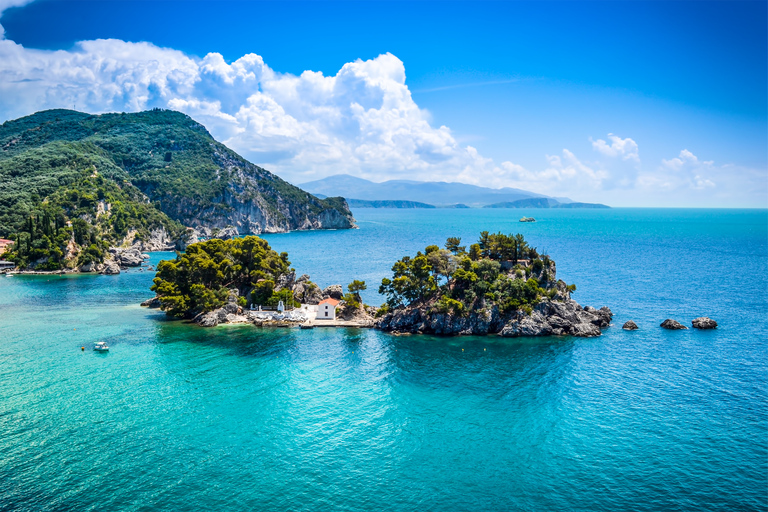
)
(326, 309)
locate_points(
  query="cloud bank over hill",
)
(361, 121)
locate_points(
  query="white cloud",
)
(362, 120)
(625, 148)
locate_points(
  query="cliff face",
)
(560, 316)
(551, 311)
(251, 200)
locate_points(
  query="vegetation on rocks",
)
(499, 270)
(501, 285)
(200, 280)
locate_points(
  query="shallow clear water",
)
(182, 418)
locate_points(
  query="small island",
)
(500, 285)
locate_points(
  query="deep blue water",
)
(177, 417)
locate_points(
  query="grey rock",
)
(335, 291)
(129, 257)
(152, 303)
(533, 325)
(227, 233)
(285, 281)
(312, 294)
(586, 330)
(210, 319)
(159, 240)
(549, 317)
(672, 324)
(704, 322)
(110, 268)
(629, 325)
(89, 267)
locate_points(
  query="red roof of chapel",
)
(332, 302)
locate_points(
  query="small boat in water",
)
(527, 219)
(101, 346)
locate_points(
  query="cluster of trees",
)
(456, 280)
(495, 246)
(352, 299)
(43, 239)
(199, 280)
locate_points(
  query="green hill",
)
(118, 177)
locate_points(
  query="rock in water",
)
(210, 319)
(629, 326)
(672, 324)
(129, 257)
(110, 268)
(704, 322)
(154, 302)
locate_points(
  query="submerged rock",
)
(704, 322)
(672, 324)
(629, 325)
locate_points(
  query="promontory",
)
(74, 185)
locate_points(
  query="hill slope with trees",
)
(112, 179)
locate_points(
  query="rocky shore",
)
(549, 317)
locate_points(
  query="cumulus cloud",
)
(626, 149)
(685, 171)
(361, 120)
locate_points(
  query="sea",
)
(180, 418)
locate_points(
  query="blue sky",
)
(676, 91)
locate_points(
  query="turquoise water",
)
(181, 418)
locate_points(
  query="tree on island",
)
(495, 273)
(200, 279)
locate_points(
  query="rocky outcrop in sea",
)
(704, 322)
(549, 317)
(672, 325)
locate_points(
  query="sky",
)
(625, 103)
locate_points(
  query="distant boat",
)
(101, 346)
(527, 219)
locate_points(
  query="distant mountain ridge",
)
(543, 202)
(436, 193)
(362, 203)
(362, 193)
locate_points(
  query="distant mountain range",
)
(543, 202)
(362, 193)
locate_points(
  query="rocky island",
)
(82, 192)
(500, 285)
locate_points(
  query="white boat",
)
(101, 346)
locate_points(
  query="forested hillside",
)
(125, 175)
